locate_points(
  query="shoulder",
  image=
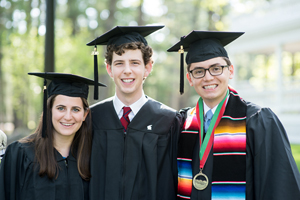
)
(188, 111)
(262, 114)
(19, 149)
(160, 108)
(252, 109)
(16, 146)
(101, 103)
(103, 106)
(263, 126)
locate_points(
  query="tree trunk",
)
(2, 86)
(49, 38)
(140, 16)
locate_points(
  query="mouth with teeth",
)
(209, 87)
(67, 124)
(128, 80)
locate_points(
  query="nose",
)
(68, 115)
(127, 69)
(208, 76)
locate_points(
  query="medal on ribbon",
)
(200, 180)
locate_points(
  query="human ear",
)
(231, 72)
(86, 112)
(189, 79)
(109, 70)
(148, 69)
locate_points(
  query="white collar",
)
(206, 108)
(135, 107)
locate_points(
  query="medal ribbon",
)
(207, 142)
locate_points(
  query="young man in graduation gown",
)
(135, 137)
(229, 148)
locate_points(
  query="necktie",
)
(208, 117)
(125, 119)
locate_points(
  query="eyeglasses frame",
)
(191, 71)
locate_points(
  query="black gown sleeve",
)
(271, 169)
(12, 172)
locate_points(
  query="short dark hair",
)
(146, 51)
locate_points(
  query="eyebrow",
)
(129, 60)
(209, 66)
(135, 60)
(60, 105)
(118, 61)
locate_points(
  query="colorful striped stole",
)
(229, 153)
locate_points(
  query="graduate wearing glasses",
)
(228, 148)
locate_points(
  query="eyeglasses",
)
(214, 70)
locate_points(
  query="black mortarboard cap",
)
(117, 36)
(203, 45)
(124, 34)
(64, 84)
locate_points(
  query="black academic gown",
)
(271, 171)
(19, 179)
(138, 165)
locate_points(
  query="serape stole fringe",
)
(229, 151)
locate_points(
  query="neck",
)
(129, 99)
(63, 144)
(211, 103)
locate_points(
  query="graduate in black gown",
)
(135, 161)
(53, 162)
(229, 148)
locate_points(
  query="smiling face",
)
(211, 88)
(68, 115)
(128, 72)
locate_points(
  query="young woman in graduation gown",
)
(52, 163)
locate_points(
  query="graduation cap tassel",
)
(95, 53)
(44, 128)
(181, 51)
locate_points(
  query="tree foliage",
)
(22, 42)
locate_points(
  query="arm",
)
(271, 168)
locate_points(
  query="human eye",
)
(216, 69)
(198, 72)
(76, 109)
(135, 62)
(118, 63)
(60, 108)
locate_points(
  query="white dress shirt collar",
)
(135, 107)
(206, 108)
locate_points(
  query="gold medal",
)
(200, 181)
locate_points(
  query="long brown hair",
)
(80, 147)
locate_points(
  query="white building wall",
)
(271, 29)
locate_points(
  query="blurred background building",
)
(267, 61)
(266, 57)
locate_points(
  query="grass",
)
(296, 153)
